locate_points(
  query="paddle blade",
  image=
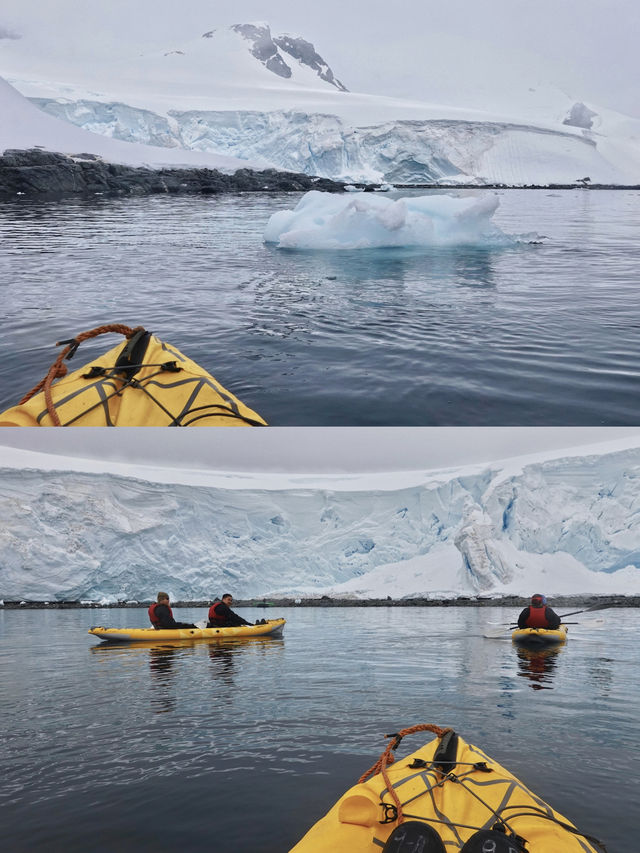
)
(604, 606)
(495, 632)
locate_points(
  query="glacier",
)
(563, 524)
(397, 151)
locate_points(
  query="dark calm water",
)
(529, 335)
(241, 747)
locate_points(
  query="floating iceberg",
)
(366, 221)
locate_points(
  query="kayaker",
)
(161, 615)
(222, 616)
(538, 615)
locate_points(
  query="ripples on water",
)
(243, 746)
(532, 334)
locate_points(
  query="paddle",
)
(493, 634)
(590, 609)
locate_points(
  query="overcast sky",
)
(412, 48)
(309, 450)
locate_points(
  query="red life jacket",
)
(152, 614)
(537, 618)
(213, 616)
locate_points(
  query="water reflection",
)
(171, 662)
(221, 657)
(601, 674)
(162, 668)
(538, 665)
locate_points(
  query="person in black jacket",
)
(222, 616)
(161, 615)
(538, 615)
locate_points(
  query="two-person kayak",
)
(268, 628)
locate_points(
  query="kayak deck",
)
(145, 382)
(539, 637)
(271, 628)
(457, 790)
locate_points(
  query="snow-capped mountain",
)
(563, 523)
(244, 92)
(268, 50)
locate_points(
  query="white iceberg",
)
(367, 221)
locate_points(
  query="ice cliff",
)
(564, 525)
(326, 145)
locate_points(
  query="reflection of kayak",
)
(144, 382)
(448, 789)
(536, 637)
(538, 664)
(271, 628)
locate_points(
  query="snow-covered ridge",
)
(569, 525)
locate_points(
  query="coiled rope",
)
(388, 758)
(59, 370)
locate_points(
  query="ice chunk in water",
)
(366, 221)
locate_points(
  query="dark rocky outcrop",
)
(8, 34)
(264, 48)
(580, 116)
(306, 54)
(46, 175)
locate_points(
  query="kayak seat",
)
(493, 840)
(413, 836)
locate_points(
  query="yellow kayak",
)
(145, 382)
(448, 796)
(539, 637)
(270, 628)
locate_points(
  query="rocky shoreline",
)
(43, 175)
(40, 175)
(563, 601)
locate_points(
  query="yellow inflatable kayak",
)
(144, 382)
(270, 628)
(446, 797)
(539, 637)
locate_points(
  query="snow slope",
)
(24, 126)
(562, 522)
(213, 94)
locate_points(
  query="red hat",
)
(538, 600)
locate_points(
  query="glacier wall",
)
(401, 152)
(70, 535)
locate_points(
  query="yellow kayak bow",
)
(448, 796)
(146, 382)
